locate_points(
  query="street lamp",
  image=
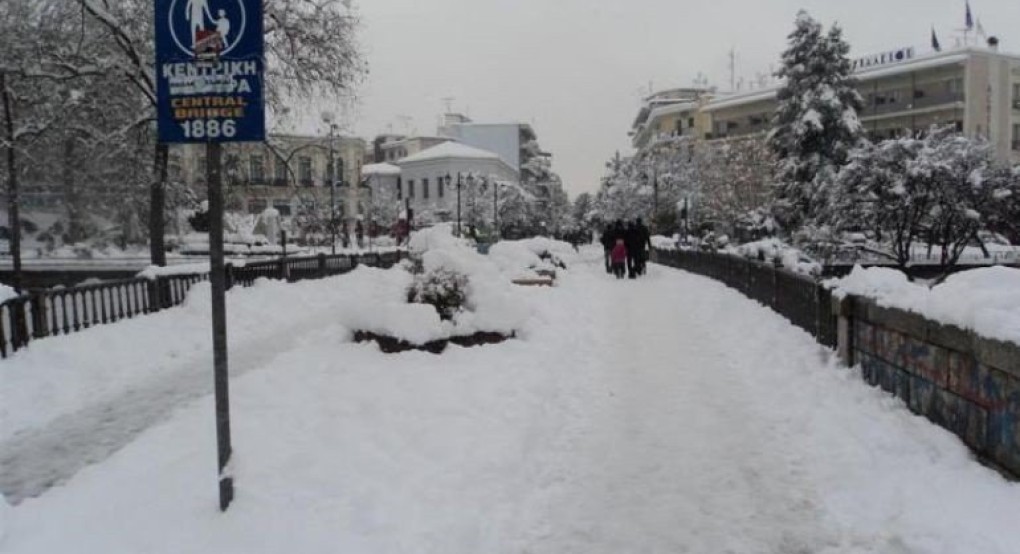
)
(471, 191)
(327, 117)
(460, 185)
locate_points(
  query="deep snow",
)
(667, 414)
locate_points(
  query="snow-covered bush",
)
(780, 254)
(443, 289)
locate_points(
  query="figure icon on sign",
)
(198, 12)
(223, 26)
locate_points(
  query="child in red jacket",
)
(618, 257)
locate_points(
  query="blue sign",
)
(209, 67)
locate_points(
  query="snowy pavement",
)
(668, 414)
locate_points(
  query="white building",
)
(429, 179)
(515, 143)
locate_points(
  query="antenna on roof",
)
(733, 69)
(448, 102)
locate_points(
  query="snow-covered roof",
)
(450, 150)
(380, 169)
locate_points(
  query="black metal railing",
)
(798, 298)
(62, 311)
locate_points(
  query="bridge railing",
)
(62, 311)
(798, 298)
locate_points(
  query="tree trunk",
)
(157, 206)
(13, 198)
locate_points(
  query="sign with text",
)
(209, 67)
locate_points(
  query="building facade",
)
(283, 172)
(428, 182)
(515, 143)
(975, 89)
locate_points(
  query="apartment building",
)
(675, 112)
(975, 89)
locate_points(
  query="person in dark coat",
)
(608, 240)
(632, 240)
(644, 245)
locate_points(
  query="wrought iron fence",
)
(62, 311)
(798, 298)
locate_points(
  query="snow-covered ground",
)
(667, 414)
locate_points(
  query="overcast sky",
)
(577, 69)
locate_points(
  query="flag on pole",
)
(970, 18)
(981, 29)
(935, 41)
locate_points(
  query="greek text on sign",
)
(209, 70)
(885, 58)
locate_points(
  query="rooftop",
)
(450, 150)
(380, 169)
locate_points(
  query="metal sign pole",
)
(209, 89)
(217, 278)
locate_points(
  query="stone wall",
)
(965, 383)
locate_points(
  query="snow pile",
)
(517, 261)
(491, 304)
(660, 242)
(772, 250)
(154, 271)
(985, 300)
(6, 293)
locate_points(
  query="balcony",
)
(1016, 145)
(1016, 104)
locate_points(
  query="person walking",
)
(618, 256)
(608, 241)
(644, 246)
(632, 241)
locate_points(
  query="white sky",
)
(576, 69)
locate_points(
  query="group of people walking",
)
(626, 248)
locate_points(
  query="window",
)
(257, 205)
(425, 188)
(256, 169)
(400, 189)
(1016, 96)
(283, 207)
(410, 189)
(1016, 136)
(441, 185)
(305, 170)
(280, 172)
(955, 86)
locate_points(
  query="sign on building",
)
(209, 67)
(885, 58)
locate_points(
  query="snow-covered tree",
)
(816, 122)
(881, 191)
(311, 54)
(941, 188)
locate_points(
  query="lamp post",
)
(495, 210)
(460, 185)
(328, 118)
(446, 186)
(471, 190)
